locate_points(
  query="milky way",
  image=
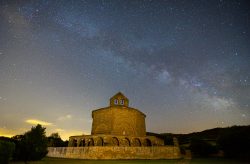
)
(185, 64)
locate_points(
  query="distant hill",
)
(209, 134)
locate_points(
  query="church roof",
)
(119, 94)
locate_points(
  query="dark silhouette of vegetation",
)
(19, 145)
(32, 145)
(6, 150)
(202, 148)
(54, 140)
(2, 138)
(168, 139)
(235, 142)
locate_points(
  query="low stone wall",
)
(109, 152)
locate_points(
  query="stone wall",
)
(102, 121)
(128, 122)
(98, 152)
(118, 120)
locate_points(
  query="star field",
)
(185, 64)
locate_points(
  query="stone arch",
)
(74, 143)
(90, 142)
(82, 143)
(125, 142)
(148, 142)
(114, 141)
(137, 142)
(99, 141)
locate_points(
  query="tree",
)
(55, 135)
(32, 145)
(54, 140)
(18, 153)
(6, 150)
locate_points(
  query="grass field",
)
(79, 161)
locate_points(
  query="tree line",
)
(230, 142)
(30, 146)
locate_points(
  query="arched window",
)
(122, 102)
(116, 102)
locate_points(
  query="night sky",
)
(185, 64)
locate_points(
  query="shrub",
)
(235, 142)
(202, 148)
(54, 140)
(6, 150)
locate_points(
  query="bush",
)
(235, 142)
(168, 140)
(202, 148)
(54, 140)
(6, 150)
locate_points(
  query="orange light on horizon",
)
(35, 122)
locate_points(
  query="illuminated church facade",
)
(117, 125)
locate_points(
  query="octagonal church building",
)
(118, 132)
(117, 125)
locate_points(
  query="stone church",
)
(118, 132)
(117, 125)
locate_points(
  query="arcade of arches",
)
(85, 141)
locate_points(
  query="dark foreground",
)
(182, 161)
